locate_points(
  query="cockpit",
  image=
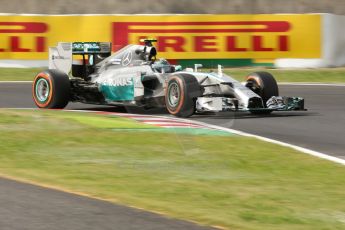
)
(163, 66)
(137, 55)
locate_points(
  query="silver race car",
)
(87, 72)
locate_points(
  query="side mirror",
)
(196, 66)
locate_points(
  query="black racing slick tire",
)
(263, 84)
(180, 95)
(51, 89)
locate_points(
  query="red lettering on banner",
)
(40, 44)
(15, 41)
(283, 43)
(174, 42)
(122, 30)
(15, 45)
(24, 27)
(204, 44)
(258, 46)
(232, 45)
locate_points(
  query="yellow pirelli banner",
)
(179, 36)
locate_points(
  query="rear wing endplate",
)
(60, 57)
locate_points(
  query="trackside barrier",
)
(332, 46)
(284, 40)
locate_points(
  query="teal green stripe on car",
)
(118, 93)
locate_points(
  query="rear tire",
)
(181, 94)
(51, 89)
(263, 84)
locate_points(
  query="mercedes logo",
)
(126, 60)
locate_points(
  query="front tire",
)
(180, 95)
(51, 89)
(263, 84)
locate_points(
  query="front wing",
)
(276, 103)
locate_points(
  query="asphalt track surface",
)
(321, 128)
(29, 207)
(23, 206)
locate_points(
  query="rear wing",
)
(61, 56)
(91, 47)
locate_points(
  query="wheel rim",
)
(42, 90)
(173, 94)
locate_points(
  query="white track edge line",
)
(281, 143)
(266, 139)
(241, 133)
(279, 83)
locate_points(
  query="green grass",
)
(230, 181)
(102, 122)
(336, 75)
(18, 74)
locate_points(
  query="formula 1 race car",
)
(87, 72)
